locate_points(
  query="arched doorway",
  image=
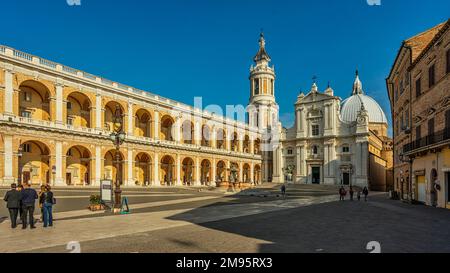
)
(166, 128)
(111, 166)
(78, 166)
(246, 144)
(167, 171)
(187, 131)
(257, 147)
(187, 172)
(206, 136)
(111, 109)
(143, 170)
(143, 123)
(221, 170)
(205, 173)
(257, 175)
(246, 173)
(221, 139)
(78, 110)
(35, 163)
(235, 142)
(34, 101)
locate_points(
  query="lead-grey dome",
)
(351, 106)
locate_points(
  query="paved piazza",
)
(178, 220)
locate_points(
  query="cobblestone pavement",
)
(282, 226)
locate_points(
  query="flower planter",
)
(96, 207)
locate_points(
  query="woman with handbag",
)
(47, 201)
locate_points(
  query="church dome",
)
(351, 106)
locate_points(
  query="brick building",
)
(418, 87)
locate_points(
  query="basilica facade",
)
(337, 142)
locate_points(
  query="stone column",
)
(197, 171)
(303, 161)
(8, 160)
(98, 112)
(214, 171)
(252, 172)
(156, 181)
(213, 136)
(98, 165)
(59, 103)
(298, 162)
(9, 93)
(241, 172)
(130, 161)
(59, 180)
(130, 119)
(156, 125)
(178, 166)
(252, 145)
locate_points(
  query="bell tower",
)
(263, 112)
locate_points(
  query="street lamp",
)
(19, 157)
(118, 137)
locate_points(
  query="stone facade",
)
(56, 122)
(419, 92)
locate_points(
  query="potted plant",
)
(95, 203)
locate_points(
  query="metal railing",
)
(429, 140)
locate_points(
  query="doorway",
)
(316, 175)
(68, 179)
(346, 179)
(421, 189)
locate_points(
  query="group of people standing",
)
(351, 192)
(21, 200)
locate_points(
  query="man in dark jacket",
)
(13, 200)
(29, 197)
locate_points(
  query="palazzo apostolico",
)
(56, 123)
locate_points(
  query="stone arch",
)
(205, 172)
(35, 101)
(257, 174)
(206, 136)
(221, 139)
(110, 109)
(257, 146)
(221, 171)
(187, 132)
(143, 169)
(167, 125)
(79, 166)
(188, 175)
(79, 110)
(34, 163)
(143, 123)
(246, 144)
(167, 171)
(246, 177)
(234, 142)
(110, 166)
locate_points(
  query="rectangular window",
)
(448, 61)
(256, 85)
(418, 87)
(26, 148)
(447, 120)
(315, 130)
(431, 127)
(25, 114)
(345, 149)
(418, 132)
(431, 76)
(70, 121)
(69, 105)
(27, 96)
(290, 152)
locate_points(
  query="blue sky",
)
(185, 48)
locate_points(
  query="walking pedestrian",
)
(20, 189)
(12, 199)
(41, 191)
(366, 193)
(47, 200)
(352, 193)
(359, 195)
(29, 196)
(283, 190)
(342, 193)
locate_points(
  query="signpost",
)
(106, 192)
